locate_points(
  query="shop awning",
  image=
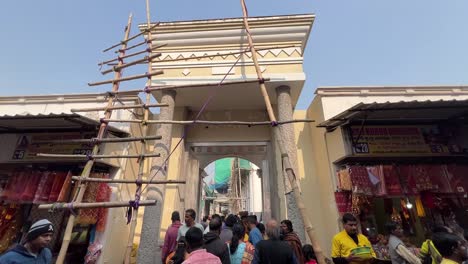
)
(52, 122)
(400, 112)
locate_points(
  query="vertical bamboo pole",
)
(141, 165)
(263, 89)
(290, 172)
(89, 164)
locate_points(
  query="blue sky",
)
(53, 46)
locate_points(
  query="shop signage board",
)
(397, 140)
(27, 148)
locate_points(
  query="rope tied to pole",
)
(132, 205)
(71, 209)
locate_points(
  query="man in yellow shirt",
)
(452, 248)
(429, 250)
(347, 240)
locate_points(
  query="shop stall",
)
(405, 162)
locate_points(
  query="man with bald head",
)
(273, 250)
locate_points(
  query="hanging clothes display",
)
(66, 188)
(360, 180)
(10, 224)
(392, 181)
(59, 178)
(343, 201)
(31, 186)
(44, 188)
(344, 180)
(377, 177)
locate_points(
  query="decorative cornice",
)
(392, 90)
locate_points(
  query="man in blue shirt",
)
(34, 250)
(255, 235)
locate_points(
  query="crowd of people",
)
(243, 240)
(234, 239)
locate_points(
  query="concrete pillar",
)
(285, 112)
(147, 251)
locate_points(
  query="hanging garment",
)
(44, 188)
(104, 195)
(31, 186)
(392, 181)
(456, 177)
(360, 180)
(438, 175)
(377, 177)
(344, 180)
(59, 178)
(343, 202)
(419, 207)
(66, 188)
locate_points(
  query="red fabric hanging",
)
(59, 178)
(343, 201)
(9, 188)
(439, 178)
(66, 188)
(392, 181)
(31, 186)
(104, 194)
(360, 180)
(457, 177)
(44, 188)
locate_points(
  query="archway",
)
(231, 185)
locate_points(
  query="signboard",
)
(27, 147)
(397, 139)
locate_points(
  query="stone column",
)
(287, 137)
(147, 251)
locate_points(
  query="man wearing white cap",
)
(34, 250)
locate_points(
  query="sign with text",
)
(27, 145)
(396, 139)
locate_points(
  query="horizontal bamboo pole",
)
(132, 47)
(76, 178)
(120, 67)
(96, 140)
(144, 106)
(131, 38)
(95, 156)
(71, 206)
(206, 122)
(134, 77)
(130, 55)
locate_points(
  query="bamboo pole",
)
(134, 77)
(71, 206)
(97, 141)
(271, 114)
(141, 165)
(89, 164)
(134, 46)
(206, 122)
(117, 107)
(126, 181)
(135, 62)
(130, 55)
(96, 156)
(130, 38)
(285, 158)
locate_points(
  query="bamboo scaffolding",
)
(96, 140)
(206, 122)
(131, 38)
(135, 62)
(126, 181)
(71, 206)
(89, 164)
(140, 156)
(285, 158)
(134, 46)
(117, 107)
(130, 55)
(134, 77)
(141, 165)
